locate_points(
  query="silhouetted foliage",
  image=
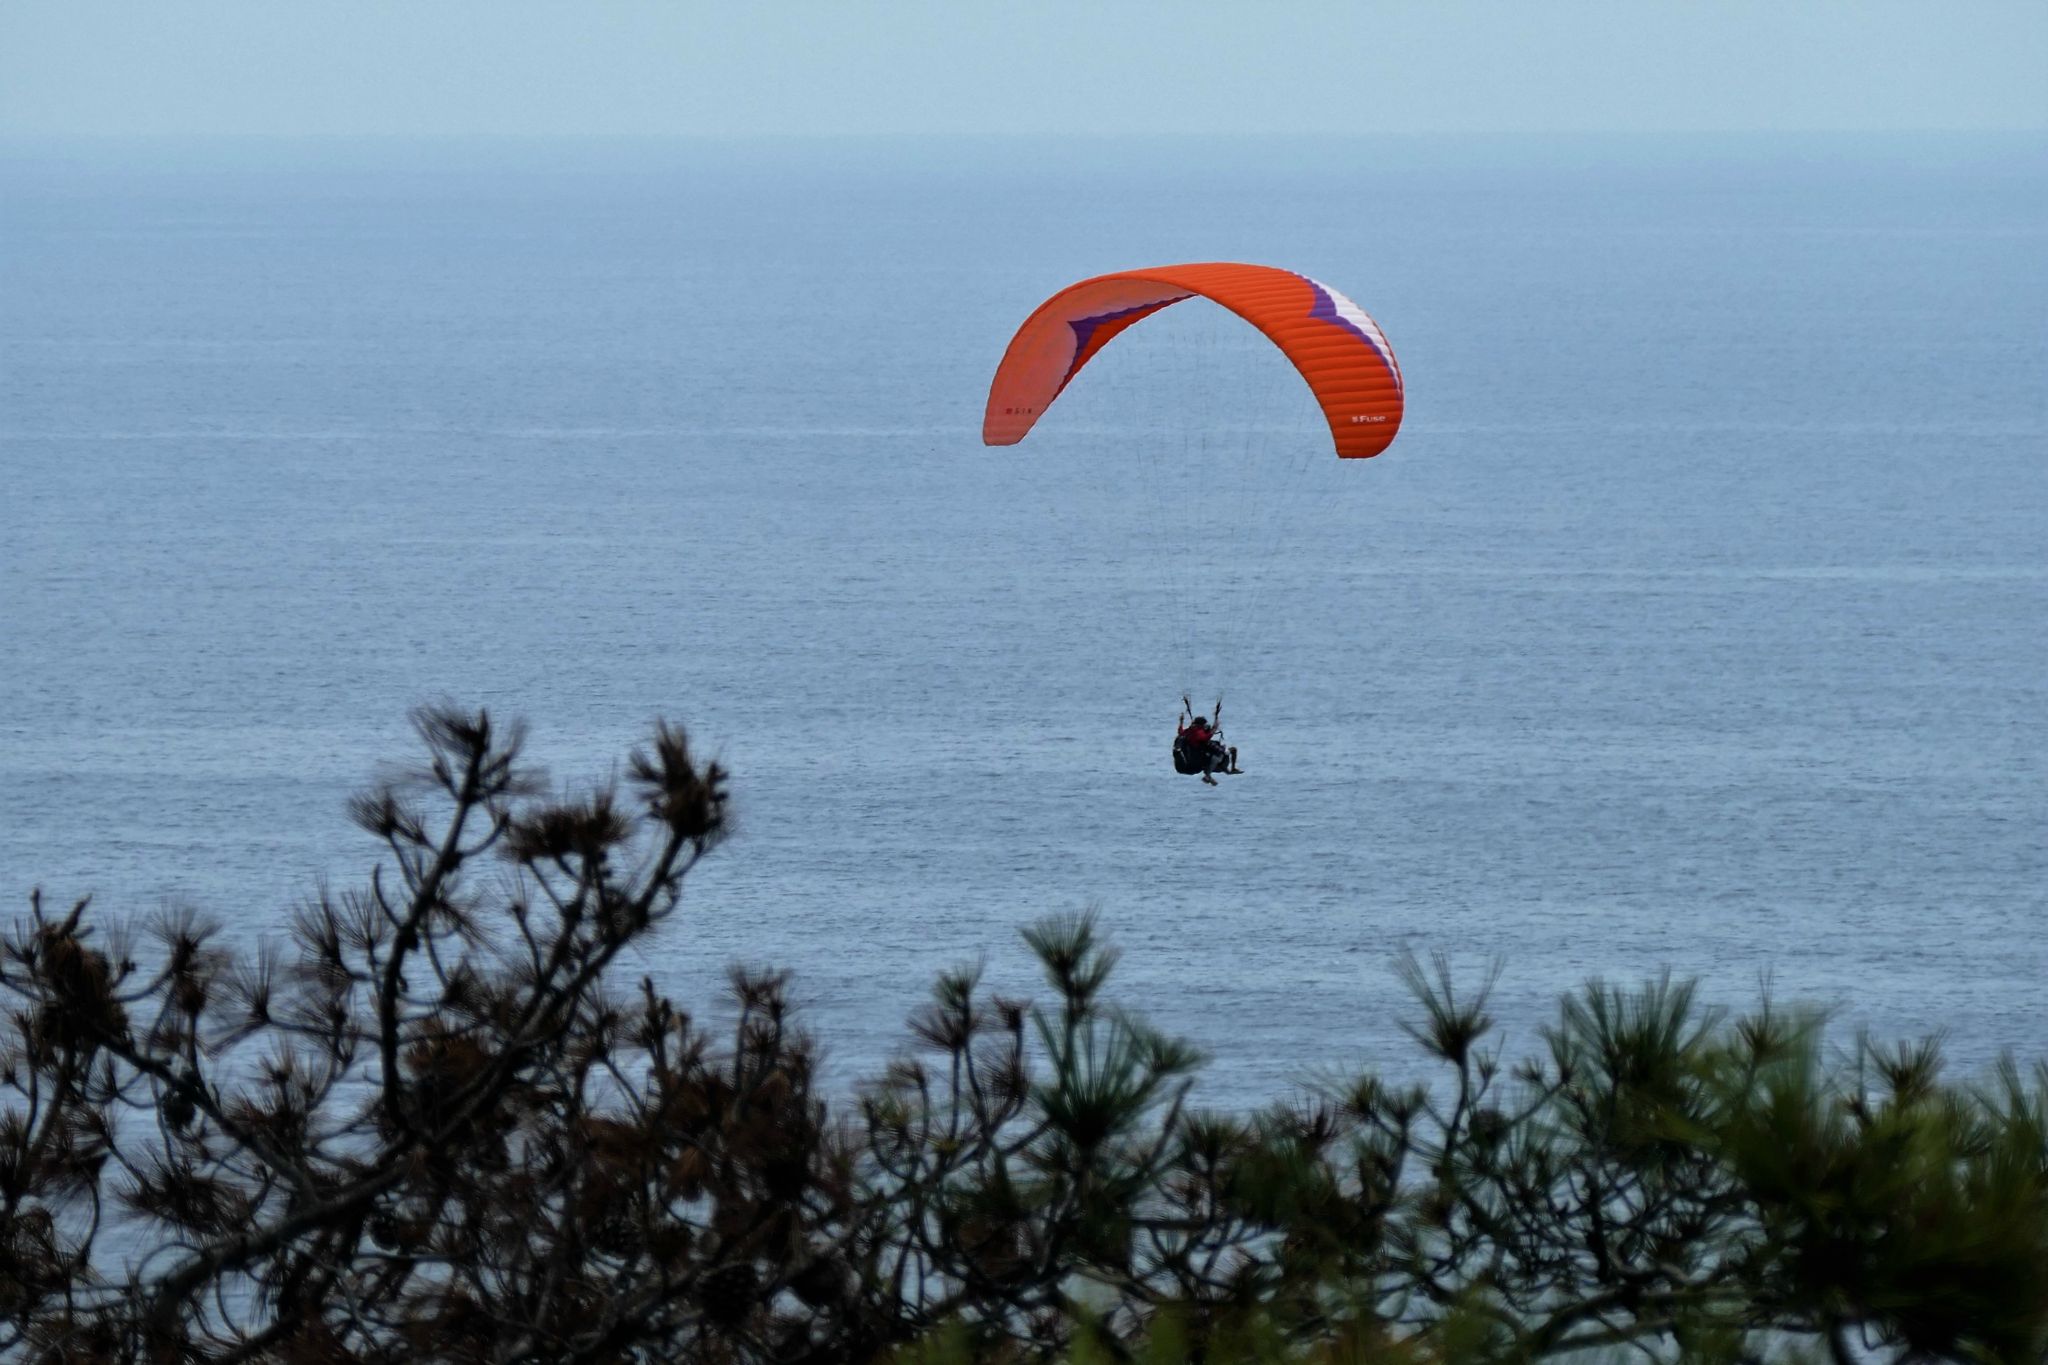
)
(432, 1129)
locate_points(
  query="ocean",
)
(1696, 621)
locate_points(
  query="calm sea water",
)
(1696, 619)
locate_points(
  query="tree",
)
(432, 1128)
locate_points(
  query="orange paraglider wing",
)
(1337, 348)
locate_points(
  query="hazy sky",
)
(1019, 66)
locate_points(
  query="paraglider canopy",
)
(1337, 348)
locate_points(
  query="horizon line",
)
(987, 135)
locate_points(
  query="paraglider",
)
(1330, 341)
(1198, 745)
(1337, 348)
